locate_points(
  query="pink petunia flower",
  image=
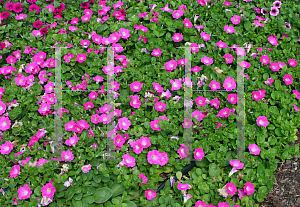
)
(182, 186)
(86, 168)
(262, 121)
(228, 58)
(124, 123)
(229, 29)
(129, 160)
(206, 60)
(67, 156)
(199, 154)
(145, 179)
(231, 189)
(249, 188)
(150, 194)
(288, 79)
(48, 190)
(229, 83)
(24, 192)
(254, 149)
(177, 14)
(235, 19)
(156, 52)
(187, 23)
(154, 125)
(177, 37)
(6, 148)
(183, 151)
(15, 171)
(160, 106)
(232, 98)
(170, 65)
(292, 62)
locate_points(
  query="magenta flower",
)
(199, 154)
(232, 98)
(24, 192)
(182, 61)
(72, 140)
(204, 36)
(187, 123)
(181, 186)
(296, 108)
(86, 168)
(177, 37)
(6, 148)
(235, 19)
(156, 52)
(15, 170)
(199, 115)
(292, 62)
(249, 188)
(201, 203)
(265, 59)
(48, 190)
(176, 85)
(124, 33)
(187, 23)
(129, 160)
(273, 40)
(154, 125)
(150, 194)
(124, 123)
(215, 102)
(201, 101)
(177, 14)
(160, 106)
(229, 83)
(67, 156)
(228, 58)
(145, 179)
(223, 204)
(11, 59)
(137, 146)
(231, 189)
(154, 157)
(274, 11)
(224, 112)
(145, 141)
(119, 140)
(297, 94)
(254, 149)
(262, 121)
(135, 101)
(229, 29)
(183, 151)
(194, 47)
(228, 3)
(288, 79)
(221, 44)
(206, 60)
(170, 65)
(241, 193)
(196, 69)
(4, 123)
(274, 66)
(136, 86)
(245, 64)
(81, 57)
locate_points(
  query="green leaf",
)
(77, 203)
(117, 189)
(89, 199)
(102, 194)
(97, 178)
(94, 162)
(179, 175)
(247, 25)
(37, 191)
(130, 204)
(70, 193)
(77, 196)
(214, 170)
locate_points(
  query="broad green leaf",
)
(214, 170)
(102, 194)
(117, 189)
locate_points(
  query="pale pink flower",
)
(86, 168)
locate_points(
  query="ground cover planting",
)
(102, 102)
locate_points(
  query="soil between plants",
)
(286, 188)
